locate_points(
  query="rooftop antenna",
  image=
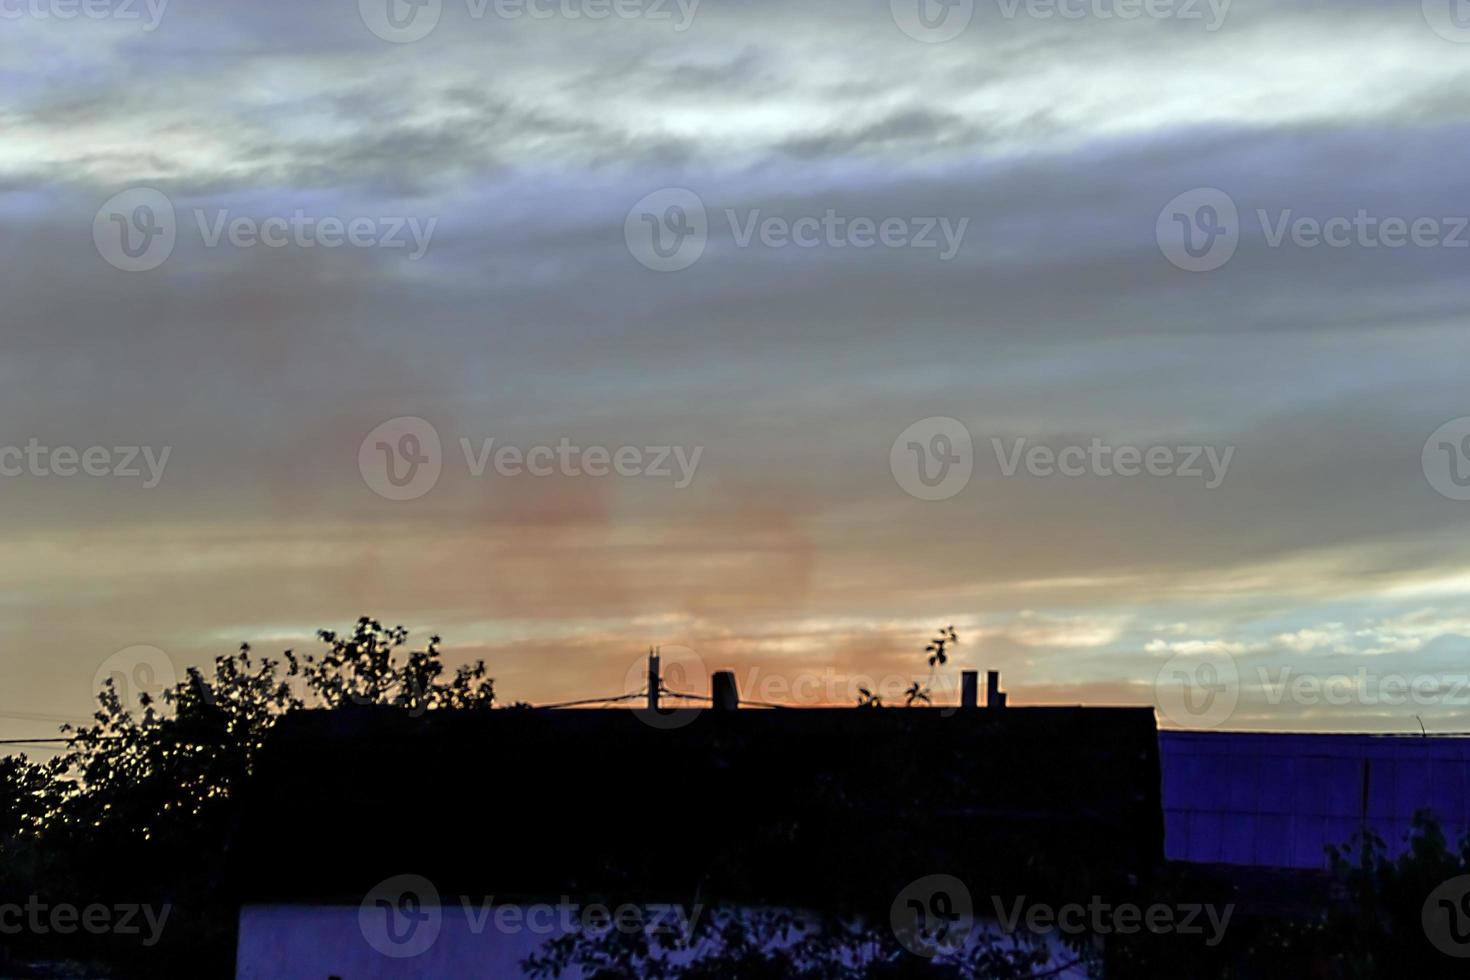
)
(653, 679)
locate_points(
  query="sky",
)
(877, 307)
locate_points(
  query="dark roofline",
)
(809, 806)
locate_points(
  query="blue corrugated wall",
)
(1277, 800)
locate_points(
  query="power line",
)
(587, 701)
(743, 701)
(33, 716)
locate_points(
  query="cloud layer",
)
(529, 320)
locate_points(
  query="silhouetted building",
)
(835, 810)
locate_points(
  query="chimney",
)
(970, 689)
(723, 692)
(994, 696)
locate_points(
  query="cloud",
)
(529, 321)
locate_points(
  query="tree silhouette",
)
(361, 668)
(141, 804)
(1379, 928)
(918, 692)
(776, 944)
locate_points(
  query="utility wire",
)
(706, 697)
(586, 701)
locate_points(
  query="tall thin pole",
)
(653, 681)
